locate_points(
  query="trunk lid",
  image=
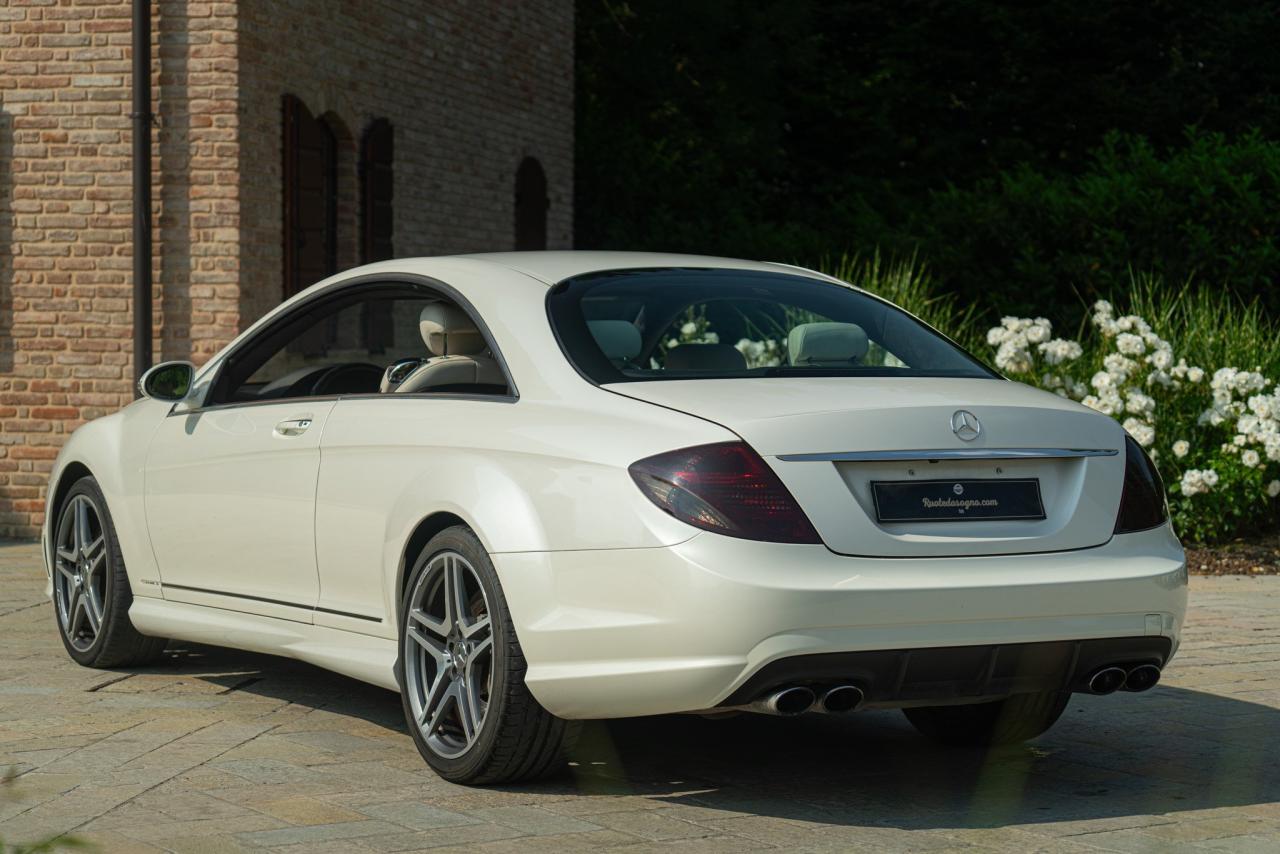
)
(830, 438)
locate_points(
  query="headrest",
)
(826, 345)
(447, 331)
(619, 340)
(705, 357)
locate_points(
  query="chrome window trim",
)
(950, 454)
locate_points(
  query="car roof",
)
(555, 266)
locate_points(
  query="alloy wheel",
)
(80, 577)
(448, 654)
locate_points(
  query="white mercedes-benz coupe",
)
(525, 489)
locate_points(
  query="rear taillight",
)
(1142, 503)
(724, 488)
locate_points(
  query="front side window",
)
(637, 325)
(427, 345)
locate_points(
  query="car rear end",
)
(899, 532)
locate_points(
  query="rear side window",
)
(637, 325)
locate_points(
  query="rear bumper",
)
(693, 626)
(904, 677)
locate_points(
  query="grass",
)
(908, 284)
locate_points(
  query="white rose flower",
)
(1210, 478)
(1142, 432)
(1130, 345)
(1162, 359)
(1060, 350)
(689, 328)
(1181, 448)
(1139, 404)
(1250, 458)
(1273, 488)
(1102, 380)
(996, 335)
(1195, 375)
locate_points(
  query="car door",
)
(230, 487)
(230, 502)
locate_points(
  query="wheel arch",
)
(426, 528)
(67, 478)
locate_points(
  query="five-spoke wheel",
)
(448, 654)
(80, 584)
(461, 671)
(91, 590)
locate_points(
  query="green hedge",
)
(1036, 243)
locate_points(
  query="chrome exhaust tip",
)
(840, 699)
(786, 701)
(1108, 680)
(1142, 678)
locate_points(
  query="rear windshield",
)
(637, 325)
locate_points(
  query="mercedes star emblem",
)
(965, 425)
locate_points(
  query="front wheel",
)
(1009, 721)
(91, 593)
(461, 672)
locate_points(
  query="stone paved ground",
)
(225, 751)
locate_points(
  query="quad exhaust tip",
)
(1108, 680)
(841, 698)
(1142, 678)
(787, 701)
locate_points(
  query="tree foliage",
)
(804, 128)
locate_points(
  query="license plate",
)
(957, 500)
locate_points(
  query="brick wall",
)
(65, 216)
(471, 88)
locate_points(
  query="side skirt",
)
(359, 656)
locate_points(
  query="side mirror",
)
(167, 381)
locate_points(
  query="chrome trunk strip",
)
(950, 454)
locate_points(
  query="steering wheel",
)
(352, 378)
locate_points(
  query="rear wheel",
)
(1009, 721)
(91, 592)
(461, 672)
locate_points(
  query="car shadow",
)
(1171, 749)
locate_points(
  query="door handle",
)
(293, 426)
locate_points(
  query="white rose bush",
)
(1190, 372)
(1214, 431)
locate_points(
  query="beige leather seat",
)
(460, 355)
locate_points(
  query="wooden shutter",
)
(531, 205)
(310, 198)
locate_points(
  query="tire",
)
(91, 588)
(1012, 720)
(484, 670)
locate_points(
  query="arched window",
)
(376, 150)
(310, 198)
(531, 205)
(376, 185)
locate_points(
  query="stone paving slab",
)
(220, 751)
